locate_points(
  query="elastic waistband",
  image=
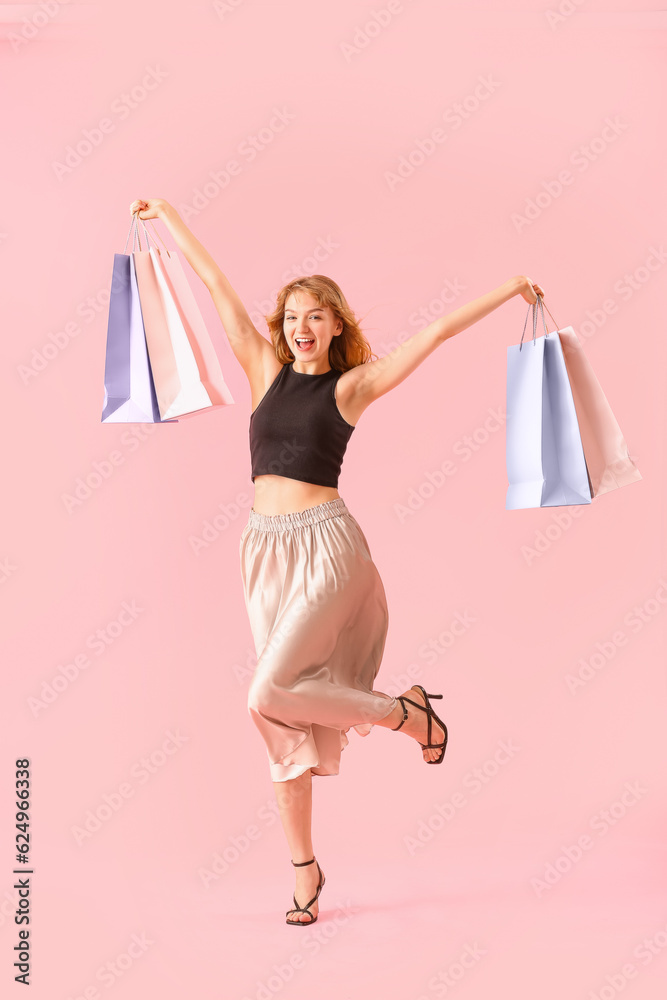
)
(311, 515)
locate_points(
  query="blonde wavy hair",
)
(347, 350)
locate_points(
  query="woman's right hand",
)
(151, 209)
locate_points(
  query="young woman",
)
(315, 600)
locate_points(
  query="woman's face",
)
(308, 327)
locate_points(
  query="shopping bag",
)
(129, 392)
(545, 459)
(210, 372)
(186, 370)
(607, 458)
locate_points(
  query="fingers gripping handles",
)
(136, 236)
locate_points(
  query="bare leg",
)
(295, 804)
(416, 724)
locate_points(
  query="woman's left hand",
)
(529, 290)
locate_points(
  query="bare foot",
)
(416, 724)
(307, 879)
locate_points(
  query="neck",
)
(300, 372)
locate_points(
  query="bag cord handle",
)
(539, 303)
(137, 237)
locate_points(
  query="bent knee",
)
(261, 695)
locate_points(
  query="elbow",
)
(213, 279)
(443, 329)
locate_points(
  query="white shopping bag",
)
(545, 459)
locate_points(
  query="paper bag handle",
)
(133, 223)
(137, 236)
(534, 306)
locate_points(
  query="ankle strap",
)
(299, 864)
(405, 712)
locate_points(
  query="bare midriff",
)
(280, 495)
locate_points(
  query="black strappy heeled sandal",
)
(426, 707)
(304, 909)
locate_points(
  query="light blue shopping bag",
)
(545, 459)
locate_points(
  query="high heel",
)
(426, 707)
(304, 909)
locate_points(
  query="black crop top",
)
(297, 430)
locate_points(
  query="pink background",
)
(459, 912)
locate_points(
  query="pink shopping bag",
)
(607, 457)
(186, 370)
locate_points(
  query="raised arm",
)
(376, 378)
(250, 348)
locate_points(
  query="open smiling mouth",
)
(304, 344)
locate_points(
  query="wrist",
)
(165, 211)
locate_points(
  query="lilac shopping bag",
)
(129, 391)
(546, 466)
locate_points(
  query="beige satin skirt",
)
(318, 616)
